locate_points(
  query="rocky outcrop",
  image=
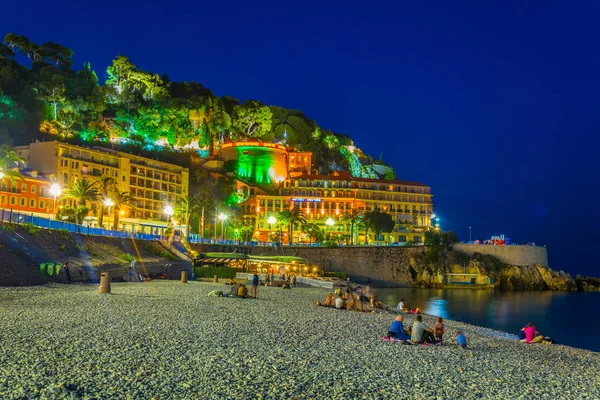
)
(588, 284)
(534, 277)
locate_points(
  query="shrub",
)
(127, 257)
(166, 255)
(221, 272)
(32, 229)
(62, 247)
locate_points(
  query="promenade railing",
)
(20, 218)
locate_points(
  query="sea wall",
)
(389, 264)
(512, 255)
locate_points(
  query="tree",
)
(20, 43)
(184, 210)
(56, 53)
(380, 222)
(314, 232)
(252, 119)
(353, 218)
(105, 185)
(121, 201)
(52, 87)
(6, 52)
(81, 191)
(290, 218)
(9, 159)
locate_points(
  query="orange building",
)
(324, 197)
(31, 195)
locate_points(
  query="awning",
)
(218, 260)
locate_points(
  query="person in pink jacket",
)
(531, 334)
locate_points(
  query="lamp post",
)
(169, 211)
(54, 191)
(330, 222)
(469, 234)
(109, 203)
(222, 217)
(272, 221)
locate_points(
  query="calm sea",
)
(569, 318)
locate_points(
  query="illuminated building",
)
(31, 195)
(265, 163)
(322, 197)
(153, 184)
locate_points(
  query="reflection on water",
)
(553, 313)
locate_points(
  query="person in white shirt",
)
(339, 302)
(401, 305)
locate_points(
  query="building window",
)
(24, 187)
(2, 199)
(22, 202)
(13, 200)
(418, 239)
(32, 203)
(42, 204)
(402, 238)
(32, 188)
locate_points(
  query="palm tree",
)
(291, 217)
(121, 200)
(184, 209)
(105, 185)
(366, 223)
(10, 159)
(81, 191)
(352, 217)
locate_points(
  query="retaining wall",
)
(513, 255)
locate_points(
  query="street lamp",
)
(271, 220)
(169, 211)
(469, 234)
(108, 203)
(222, 217)
(330, 222)
(54, 191)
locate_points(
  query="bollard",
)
(183, 277)
(215, 279)
(104, 283)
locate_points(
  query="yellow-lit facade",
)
(322, 197)
(153, 184)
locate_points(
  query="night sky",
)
(495, 106)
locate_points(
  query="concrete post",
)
(104, 283)
(183, 277)
(215, 279)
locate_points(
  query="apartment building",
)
(153, 184)
(322, 197)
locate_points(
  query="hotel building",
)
(153, 184)
(322, 197)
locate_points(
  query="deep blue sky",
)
(494, 105)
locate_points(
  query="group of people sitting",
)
(352, 301)
(420, 333)
(529, 334)
(238, 290)
(402, 306)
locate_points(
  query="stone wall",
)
(513, 255)
(388, 264)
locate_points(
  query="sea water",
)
(569, 318)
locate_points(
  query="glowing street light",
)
(330, 222)
(1, 174)
(108, 203)
(54, 191)
(272, 221)
(168, 210)
(222, 217)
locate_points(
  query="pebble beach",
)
(168, 340)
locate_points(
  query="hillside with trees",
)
(46, 97)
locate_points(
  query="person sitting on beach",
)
(416, 311)
(532, 335)
(438, 329)
(359, 303)
(419, 333)
(375, 303)
(350, 302)
(338, 291)
(230, 282)
(242, 291)
(234, 289)
(286, 284)
(396, 332)
(461, 340)
(401, 306)
(339, 302)
(328, 301)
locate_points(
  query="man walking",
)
(255, 285)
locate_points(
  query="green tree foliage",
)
(436, 237)
(252, 119)
(314, 232)
(184, 210)
(353, 218)
(379, 222)
(9, 159)
(293, 216)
